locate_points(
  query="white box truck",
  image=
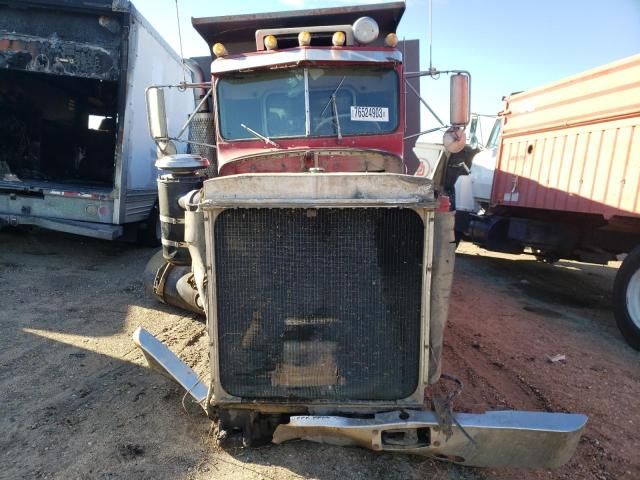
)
(75, 152)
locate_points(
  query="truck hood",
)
(327, 159)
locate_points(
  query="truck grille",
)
(319, 304)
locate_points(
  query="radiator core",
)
(319, 304)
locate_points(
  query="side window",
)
(495, 134)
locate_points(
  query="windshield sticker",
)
(369, 114)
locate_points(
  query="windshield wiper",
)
(334, 109)
(266, 140)
(336, 116)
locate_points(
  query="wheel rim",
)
(633, 298)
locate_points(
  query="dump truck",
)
(560, 176)
(76, 156)
(324, 269)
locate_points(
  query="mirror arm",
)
(424, 102)
(193, 114)
(425, 131)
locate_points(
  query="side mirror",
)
(156, 113)
(460, 99)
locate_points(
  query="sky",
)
(506, 45)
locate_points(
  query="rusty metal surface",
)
(299, 288)
(60, 42)
(574, 145)
(354, 191)
(61, 60)
(318, 190)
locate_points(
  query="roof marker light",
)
(338, 39)
(270, 42)
(304, 39)
(219, 50)
(391, 40)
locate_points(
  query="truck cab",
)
(473, 189)
(313, 91)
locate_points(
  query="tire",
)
(626, 298)
(149, 234)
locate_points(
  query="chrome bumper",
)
(499, 439)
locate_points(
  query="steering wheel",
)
(331, 119)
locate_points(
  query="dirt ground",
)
(78, 401)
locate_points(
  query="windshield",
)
(339, 101)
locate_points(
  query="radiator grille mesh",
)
(201, 131)
(319, 304)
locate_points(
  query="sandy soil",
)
(78, 401)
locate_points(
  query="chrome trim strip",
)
(307, 108)
(294, 56)
(161, 358)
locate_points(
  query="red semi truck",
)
(323, 268)
(566, 179)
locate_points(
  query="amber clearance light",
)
(219, 50)
(270, 42)
(304, 39)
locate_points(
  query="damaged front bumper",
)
(491, 439)
(495, 439)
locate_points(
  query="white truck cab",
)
(473, 191)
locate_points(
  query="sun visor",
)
(237, 32)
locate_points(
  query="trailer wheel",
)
(626, 298)
(149, 233)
